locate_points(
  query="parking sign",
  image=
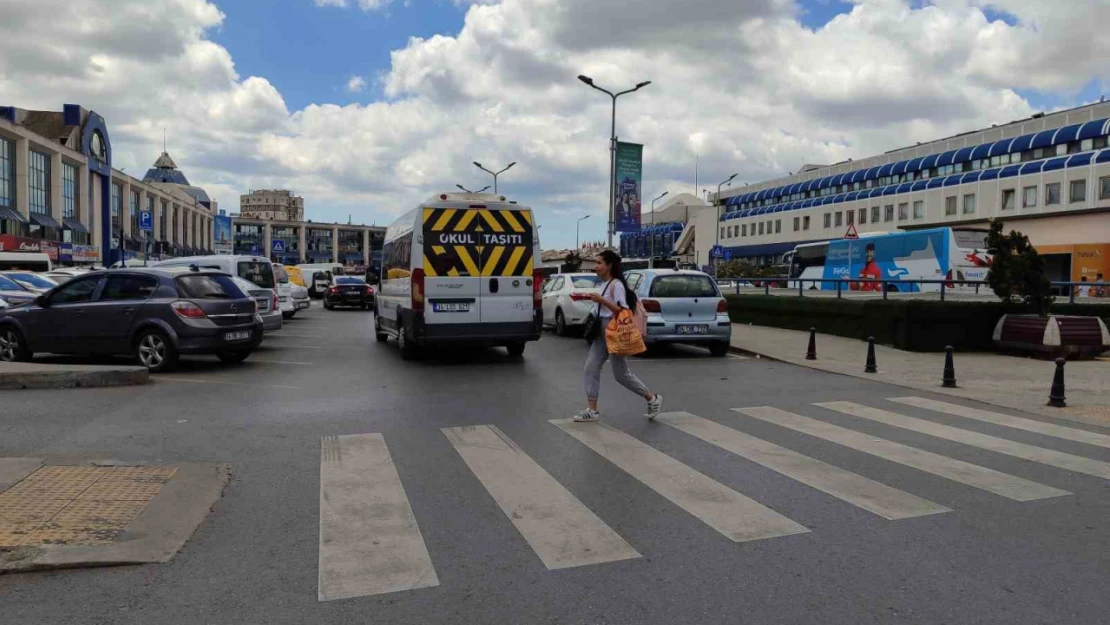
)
(146, 221)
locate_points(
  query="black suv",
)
(155, 314)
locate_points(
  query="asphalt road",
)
(257, 558)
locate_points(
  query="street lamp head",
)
(482, 189)
(732, 176)
(586, 79)
(463, 188)
(510, 166)
(643, 84)
(477, 164)
(665, 193)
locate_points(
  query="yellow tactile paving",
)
(73, 505)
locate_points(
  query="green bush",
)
(914, 325)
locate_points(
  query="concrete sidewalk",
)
(29, 375)
(1008, 381)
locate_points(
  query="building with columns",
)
(296, 242)
(60, 195)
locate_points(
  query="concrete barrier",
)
(28, 375)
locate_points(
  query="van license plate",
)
(693, 329)
(237, 336)
(447, 307)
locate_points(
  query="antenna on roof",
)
(163, 139)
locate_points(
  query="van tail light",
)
(722, 306)
(418, 290)
(537, 284)
(652, 306)
(187, 310)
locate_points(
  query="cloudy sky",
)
(368, 106)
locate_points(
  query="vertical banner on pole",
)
(630, 165)
(222, 240)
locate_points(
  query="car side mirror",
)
(42, 302)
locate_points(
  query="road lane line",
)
(1050, 457)
(560, 529)
(162, 378)
(997, 418)
(1008, 486)
(737, 517)
(369, 540)
(883, 500)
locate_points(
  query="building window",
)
(135, 214)
(722, 232)
(1028, 197)
(38, 182)
(69, 191)
(117, 207)
(7, 173)
(1104, 188)
(969, 204)
(805, 222)
(851, 217)
(903, 211)
(744, 230)
(863, 215)
(950, 206)
(778, 226)
(1078, 191)
(839, 219)
(1008, 199)
(888, 212)
(919, 209)
(161, 219)
(797, 224)
(761, 227)
(828, 220)
(876, 214)
(1052, 193)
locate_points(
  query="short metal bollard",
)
(949, 379)
(1056, 397)
(870, 367)
(811, 351)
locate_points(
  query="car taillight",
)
(369, 290)
(332, 290)
(418, 290)
(274, 302)
(187, 310)
(652, 306)
(722, 306)
(537, 294)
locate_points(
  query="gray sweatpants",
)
(599, 353)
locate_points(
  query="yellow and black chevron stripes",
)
(477, 242)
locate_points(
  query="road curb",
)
(20, 376)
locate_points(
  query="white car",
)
(33, 282)
(292, 298)
(564, 303)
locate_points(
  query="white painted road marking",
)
(737, 517)
(986, 479)
(1050, 457)
(560, 529)
(997, 418)
(369, 540)
(883, 500)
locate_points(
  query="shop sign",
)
(50, 248)
(9, 243)
(65, 254)
(86, 253)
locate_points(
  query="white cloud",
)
(365, 5)
(739, 82)
(356, 84)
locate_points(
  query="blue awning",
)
(1032, 168)
(919, 185)
(1022, 143)
(905, 187)
(857, 176)
(953, 180)
(981, 151)
(990, 174)
(1010, 171)
(872, 173)
(884, 171)
(971, 176)
(899, 168)
(1067, 133)
(1093, 129)
(934, 183)
(1080, 160)
(890, 189)
(851, 196)
(1043, 139)
(914, 164)
(839, 197)
(1001, 147)
(929, 161)
(825, 182)
(946, 158)
(963, 155)
(1053, 164)
(1103, 156)
(876, 192)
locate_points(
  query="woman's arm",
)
(614, 308)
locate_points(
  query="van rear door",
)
(507, 242)
(452, 265)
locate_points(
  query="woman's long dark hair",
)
(616, 272)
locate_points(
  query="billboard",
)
(629, 172)
(221, 235)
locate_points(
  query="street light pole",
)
(577, 229)
(495, 174)
(612, 146)
(661, 196)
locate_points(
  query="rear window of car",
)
(584, 282)
(280, 274)
(259, 273)
(683, 286)
(350, 281)
(208, 287)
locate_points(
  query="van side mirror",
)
(42, 302)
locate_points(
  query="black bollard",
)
(811, 351)
(949, 380)
(870, 368)
(1056, 397)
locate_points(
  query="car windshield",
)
(33, 280)
(584, 282)
(257, 272)
(350, 281)
(209, 286)
(683, 286)
(7, 284)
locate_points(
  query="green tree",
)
(572, 263)
(1017, 274)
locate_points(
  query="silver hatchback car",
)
(683, 307)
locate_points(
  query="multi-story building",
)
(295, 242)
(60, 195)
(1047, 176)
(274, 204)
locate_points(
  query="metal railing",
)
(884, 286)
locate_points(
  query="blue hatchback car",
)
(682, 307)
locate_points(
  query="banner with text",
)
(630, 166)
(224, 244)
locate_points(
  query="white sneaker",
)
(654, 406)
(587, 416)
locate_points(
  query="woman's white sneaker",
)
(654, 406)
(587, 416)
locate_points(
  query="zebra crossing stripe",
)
(738, 517)
(369, 540)
(883, 500)
(1050, 457)
(560, 529)
(1018, 423)
(1008, 486)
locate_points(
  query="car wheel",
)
(12, 346)
(287, 315)
(560, 322)
(719, 349)
(516, 350)
(378, 334)
(233, 357)
(407, 347)
(155, 351)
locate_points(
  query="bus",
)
(933, 254)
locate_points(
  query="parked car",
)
(3, 303)
(33, 282)
(254, 269)
(61, 275)
(349, 291)
(291, 298)
(13, 292)
(296, 276)
(265, 302)
(154, 314)
(317, 276)
(683, 307)
(565, 303)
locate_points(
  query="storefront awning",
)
(12, 215)
(75, 225)
(44, 220)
